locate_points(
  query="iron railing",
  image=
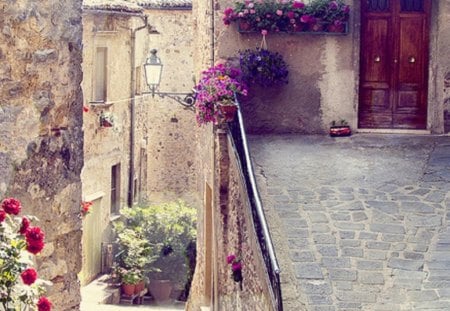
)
(237, 131)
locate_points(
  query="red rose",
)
(2, 215)
(11, 206)
(25, 225)
(29, 276)
(35, 247)
(44, 304)
(35, 239)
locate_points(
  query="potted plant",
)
(215, 94)
(135, 253)
(263, 67)
(340, 128)
(106, 119)
(170, 228)
(288, 16)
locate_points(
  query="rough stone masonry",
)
(41, 142)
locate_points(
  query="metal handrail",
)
(261, 227)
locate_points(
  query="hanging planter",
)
(106, 120)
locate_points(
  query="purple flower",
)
(236, 266)
(231, 258)
(333, 5)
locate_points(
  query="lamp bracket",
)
(185, 99)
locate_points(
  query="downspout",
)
(132, 109)
(212, 29)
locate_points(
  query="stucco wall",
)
(321, 79)
(172, 164)
(440, 67)
(106, 146)
(324, 75)
(41, 142)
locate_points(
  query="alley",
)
(359, 223)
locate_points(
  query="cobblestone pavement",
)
(359, 223)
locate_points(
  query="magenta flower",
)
(298, 5)
(230, 258)
(236, 266)
(290, 14)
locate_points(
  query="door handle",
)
(412, 59)
(377, 59)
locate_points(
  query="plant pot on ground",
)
(170, 229)
(340, 128)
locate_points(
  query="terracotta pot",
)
(228, 112)
(139, 287)
(160, 289)
(344, 130)
(128, 289)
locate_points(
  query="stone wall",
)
(172, 164)
(41, 142)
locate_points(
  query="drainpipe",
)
(132, 108)
(212, 28)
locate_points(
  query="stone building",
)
(330, 76)
(146, 131)
(41, 140)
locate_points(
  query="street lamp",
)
(153, 72)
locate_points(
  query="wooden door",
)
(394, 64)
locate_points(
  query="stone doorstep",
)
(100, 292)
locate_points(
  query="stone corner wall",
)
(41, 141)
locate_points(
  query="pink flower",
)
(252, 11)
(236, 266)
(264, 32)
(230, 258)
(298, 5)
(290, 14)
(251, 5)
(279, 12)
(228, 11)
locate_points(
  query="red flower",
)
(25, 225)
(44, 304)
(2, 215)
(35, 239)
(85, 207)
(29, 276)
(11, 206)
(85, 108)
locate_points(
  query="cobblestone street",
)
(359, 223)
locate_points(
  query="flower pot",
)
(160, 289)
(337, 131)
(128, 289)
(139, 287)
(228, 112)
(340, 28)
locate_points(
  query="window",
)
(100, 73)
(115, 189)
(412, 5)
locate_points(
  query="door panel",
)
(394, 61)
